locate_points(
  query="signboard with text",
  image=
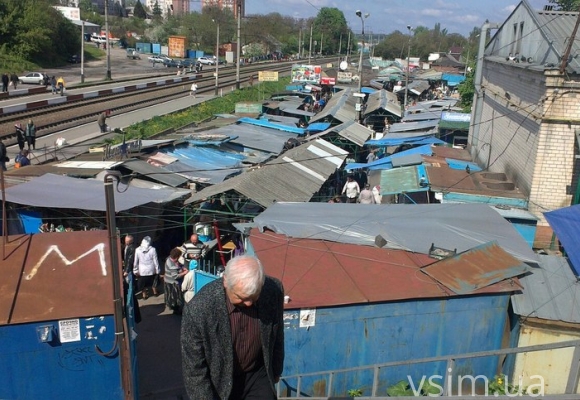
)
(306, 73)
(327, 81)
(344, 77)
(268, 76)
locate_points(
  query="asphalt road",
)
(121, 68)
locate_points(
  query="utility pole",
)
(108, 76)
(217, 58)
(83, 52)
(408, 69)
(238, 46)
(321, 38)
(310, 48)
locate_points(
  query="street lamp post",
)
(408, 67)
(360, 68)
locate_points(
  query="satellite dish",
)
(343, 65)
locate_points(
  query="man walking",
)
(193, 90)
(101, 121)
(5, 81)
(14, 80)
(232, 335)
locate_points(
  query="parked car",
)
(33, 78)
(170, 63)
(74, 59)
(206, 60)
(157, 59)
(133, 53)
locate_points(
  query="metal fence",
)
(290, 387)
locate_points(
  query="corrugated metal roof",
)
(476, 268)
(558, 27)
(412, 126)
(52, 276)
(566, 224)
(294, 176)
(155, 173)
(350, 130)
(355, 274)
(422, 116)
(341, 106)
(397, 138)
(256, 137)
(385, 100)
(433, 105)
(418, 87)
(551, 292)
(353, 131)
(281, 119)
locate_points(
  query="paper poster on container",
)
(306, 73)
(69, 330)
(307, 317)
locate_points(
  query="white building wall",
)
(163, 4)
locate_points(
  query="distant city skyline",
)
(386, 16)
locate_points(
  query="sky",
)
(386, 16)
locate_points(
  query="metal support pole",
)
(83, 52)
(108, 76)
(310, 48)
(408, 69)
(217, 58)
(360, 62)
(4, 222)
(238, 46)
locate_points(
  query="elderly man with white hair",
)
(232, 335)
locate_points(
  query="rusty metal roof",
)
(318, 273)
(53, 276)
(476, 268)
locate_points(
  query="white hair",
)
(247, 272)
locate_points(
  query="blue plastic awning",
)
(386, 162)
(271, 125)
(318, 127)
(460, 164)
(367, 90)
(566, 224)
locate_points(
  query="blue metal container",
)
(156, 48)
(143, 48)
(366, 334)
(191, 53)
(54, 369)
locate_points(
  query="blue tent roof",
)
(367, 90)
(566, 224)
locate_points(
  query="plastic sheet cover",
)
(412, 227)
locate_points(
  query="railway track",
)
(53, 118)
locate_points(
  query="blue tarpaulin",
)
(566, 224)
(460, 164)
(367, 90)
(318, 127)
(392, 140)
(452, 79)
(386, 162)
(272, 125)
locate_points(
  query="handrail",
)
(572, 384)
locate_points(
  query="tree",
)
(139, 10)
(329, 24)
(466, 89)
(566, 5)
(157, 12)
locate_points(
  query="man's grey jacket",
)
(206, 341)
